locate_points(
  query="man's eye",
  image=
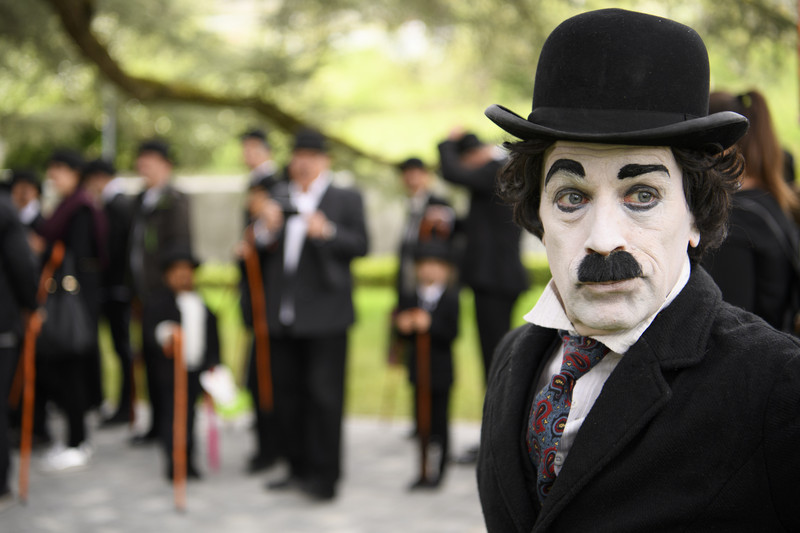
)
(641, 198)
(570, 200)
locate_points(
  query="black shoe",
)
(259, 463)
(144, 439)
(286, 483)
(7, 499)
(469, 457)
(425, 484)
(117, 419)
(319, 491)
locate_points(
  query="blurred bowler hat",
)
(467, 143)
(620, 77)
(257, 134)
(156, 146)
(308, 139)
(173, 255)
(25, 176)
(67, 157)
(99, 166)
(410, 163)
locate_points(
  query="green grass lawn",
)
(373, 387)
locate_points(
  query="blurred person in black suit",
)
(18, 292)
(108, 191)
(308, 253)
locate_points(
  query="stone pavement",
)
(123, 489)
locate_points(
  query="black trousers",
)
(63, 381)
(440, 427)
(8, 365)
(309, 399)
(266, 422)
(118, 315)
(493, 314)
(152, 369)
(167, 394)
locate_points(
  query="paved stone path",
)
(123, 490)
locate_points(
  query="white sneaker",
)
(67, 459)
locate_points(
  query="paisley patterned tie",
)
(551, 406)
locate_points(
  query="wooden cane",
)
(260, 328)
(179, 421)
(32, 329)
(424, 399)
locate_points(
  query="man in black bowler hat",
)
(160, 223)
(635, 399)
(310, 230)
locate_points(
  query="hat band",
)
(600, 121)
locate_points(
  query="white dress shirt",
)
(549, 313)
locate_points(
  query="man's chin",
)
(604, 316)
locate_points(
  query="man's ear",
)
(694, 236)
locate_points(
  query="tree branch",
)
(76, 18)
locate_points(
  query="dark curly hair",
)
(710, 177)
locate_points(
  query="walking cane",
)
(424, 399)
(32, 330)
(213, 433)
(179, 421)
(260, 328)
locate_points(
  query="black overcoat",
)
(697, 429)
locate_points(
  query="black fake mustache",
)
(616, 266)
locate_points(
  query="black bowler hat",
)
(99, 166)
(179, 253)
(257, 134)
(467, 143)
(619, 77)
(25, 176)
(411, 162)
(308, 139)
(67, 157)
(156, 146)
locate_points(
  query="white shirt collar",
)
(307, 201)
(113, 188)
(549, 313)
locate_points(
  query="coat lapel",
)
(635, 392)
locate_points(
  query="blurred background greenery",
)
(385, 79)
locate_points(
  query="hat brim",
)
(722, 129)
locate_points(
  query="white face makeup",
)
(599, 199)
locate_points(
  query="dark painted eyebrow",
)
(567, 165)
(632, 170)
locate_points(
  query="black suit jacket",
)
(697, 429)
(18, 273)
(323, 283)
(443, 332)
(119, 214)
(163, 306)
(164, 227)
(491, 259)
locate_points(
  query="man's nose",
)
(607, 230)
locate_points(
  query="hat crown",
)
(616, 60)
(620, 77)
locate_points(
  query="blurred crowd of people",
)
(131, 258)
